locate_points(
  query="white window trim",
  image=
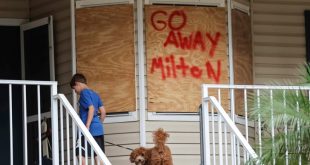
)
(92, 3)
(117, 118)
(218, 3)
(126, 117)
(173, 116)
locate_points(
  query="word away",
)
(169, 68)
(193, 42)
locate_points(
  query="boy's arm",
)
(90, 116)
(102, 113)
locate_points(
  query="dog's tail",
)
(160, 136)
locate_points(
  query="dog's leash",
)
(119, 145)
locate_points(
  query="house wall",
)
(184, 140)
(60, 10)
(278, 39)
(17, 9)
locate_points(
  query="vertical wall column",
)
(141, 59)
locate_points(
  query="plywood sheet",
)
(242, 50)
(105, 54)
(185, 47)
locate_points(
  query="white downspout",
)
(73, 63)
(141, 71)
(230, 44)
(73, 47)
(231, 77)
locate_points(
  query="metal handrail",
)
(82, 127)
(232, 126)
(227, 86)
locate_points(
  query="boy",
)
(90, 105)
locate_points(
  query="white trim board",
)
(173, 116)
(241, 7)
(93, 3)
(218, 3)
(119, 118)
(12, 22)
(34, 118)
(155, 116)
(35, 23)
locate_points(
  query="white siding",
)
(124, 134)
(17, 9)
(184, 140)
(279, 40)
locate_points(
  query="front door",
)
(26, 54)
(10, 68)
(37, 56)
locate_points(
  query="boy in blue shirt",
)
(90, 105)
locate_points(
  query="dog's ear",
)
(132, 156)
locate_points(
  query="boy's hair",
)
(78, 77)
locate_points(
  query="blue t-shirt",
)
(88, 98)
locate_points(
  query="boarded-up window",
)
(242, 50)
(105, 54)
(186, 47)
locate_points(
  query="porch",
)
(227, 134)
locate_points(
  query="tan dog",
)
(160, 154)
(140, 156)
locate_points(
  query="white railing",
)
(37, 101)
(70, 120)
(222, 119)
(18, 102)
(221, 136)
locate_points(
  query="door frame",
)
(12, 21)
(33, 24)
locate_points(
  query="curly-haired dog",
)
(140, 156)
(160, 154)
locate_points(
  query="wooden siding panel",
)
(128, 127)
(115, 151)
(275, 60)
(279, 30)
(172, 126)
(18, 9)
(279, 40)
(277, 19)
(49, 6)
(177, 138)
(278, 8)
(281, 70)
(122, 138)
(278, 51)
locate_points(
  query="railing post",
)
(205, 140)
(54, 117)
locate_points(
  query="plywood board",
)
(242, 51)
(105, 54)
(185, 47)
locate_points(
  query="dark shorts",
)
(98, 139)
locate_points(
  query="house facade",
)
(268, 43)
